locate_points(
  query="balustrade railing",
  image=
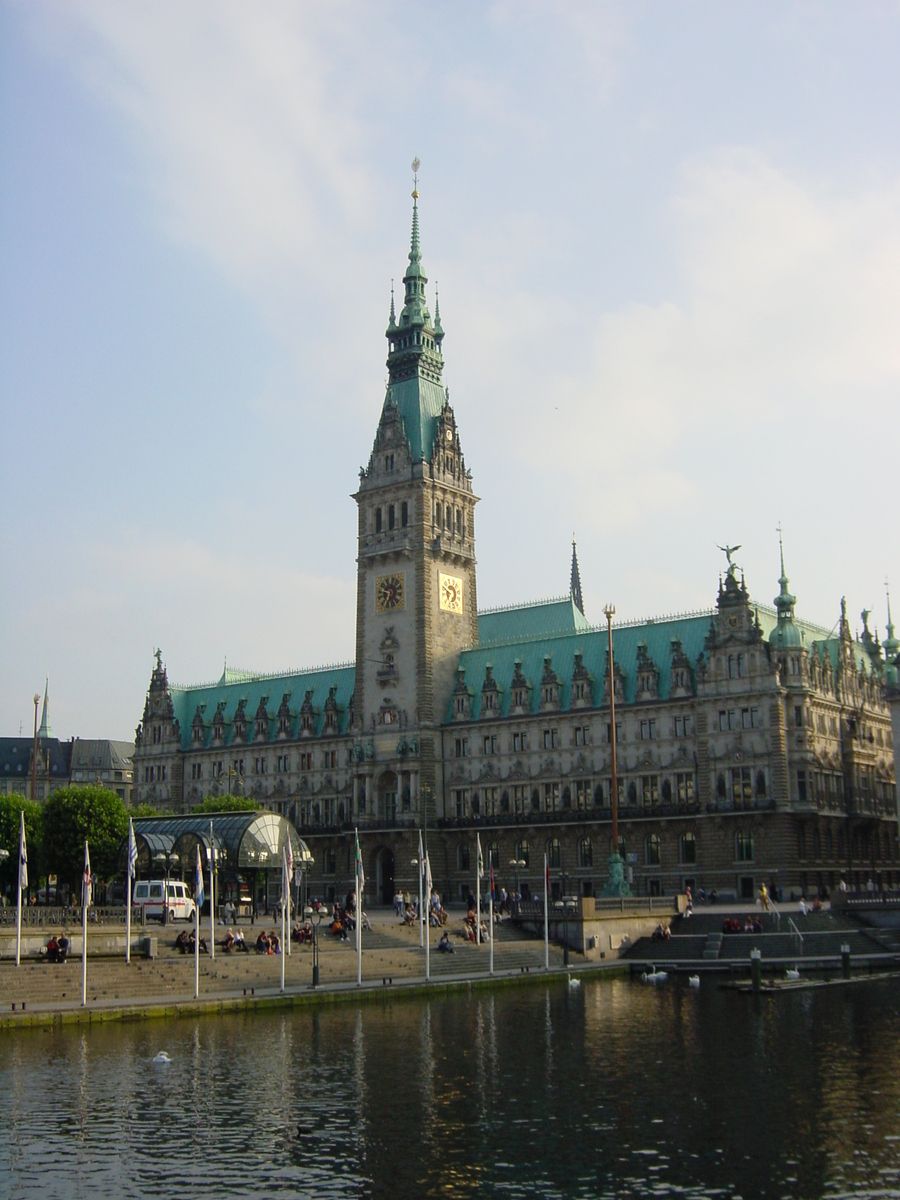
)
(52, 915)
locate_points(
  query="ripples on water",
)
(610, 1089)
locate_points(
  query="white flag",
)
(480, 859)
(86, 879)
(421, 851)
(289, 855)
(429, 882)
(132, 850)
(23, 856)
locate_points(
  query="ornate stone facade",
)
(752, 746)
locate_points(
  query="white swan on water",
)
(792, 973)
(694, 981)
(162, 1058)
(573, 982)
(654, 976)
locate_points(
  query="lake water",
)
(608, 1089)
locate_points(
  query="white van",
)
(150, 895)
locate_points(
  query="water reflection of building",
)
(753, 745)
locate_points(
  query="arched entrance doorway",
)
(387, 797)
(384, 866)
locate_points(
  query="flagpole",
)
(129, 868)
(360, 879)
(289, 858)
(546, 917)
(85, 902)
(212, 895)
(491, 912)
(421, 908)
(198, 900)
(23, 882)
(428, 928)
(478, 891)
(284, 875)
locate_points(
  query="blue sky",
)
(667, 239)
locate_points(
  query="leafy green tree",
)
(78, 813)
(143, 810)
(10, 807)
(222, 804)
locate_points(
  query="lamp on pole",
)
(318, 914)
(616, 884)
(519, 864)
(166, 858)
(567, 904)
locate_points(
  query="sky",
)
(667, 242)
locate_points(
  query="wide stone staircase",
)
(701, 941)
(391, 953)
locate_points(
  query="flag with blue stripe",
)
(199, 895)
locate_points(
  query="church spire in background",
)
(575, 581)
(45, 731)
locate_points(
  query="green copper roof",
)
(414, 359)
(592, 643)
(251, 689)
(421, 402)
(531, 620)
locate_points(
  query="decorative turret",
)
(785, 634)
(891, 650)
(575, 581)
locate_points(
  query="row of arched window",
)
(389, 515)
(444, 519)
(744, 851)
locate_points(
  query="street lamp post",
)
(166, 858)
(568, 903)
(519, 864)
(309, 914)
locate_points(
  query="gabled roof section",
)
(251, 689)
(561, 647)
(539, 619)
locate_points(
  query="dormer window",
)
(378, 520)
(391, 517)
(404, 514)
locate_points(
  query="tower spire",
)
(784, 601)
(575, 580)
(414, 254)
(45, 731)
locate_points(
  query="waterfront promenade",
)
(392, 958)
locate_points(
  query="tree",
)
(143, 810)
(10, 807)
(78, 813)
(222, 804)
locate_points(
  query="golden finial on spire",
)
(415, 166)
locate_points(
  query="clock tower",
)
(416, 602)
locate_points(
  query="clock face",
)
(449, 435)
(451, 593)
(389, 593)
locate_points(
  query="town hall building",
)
(752, 746)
